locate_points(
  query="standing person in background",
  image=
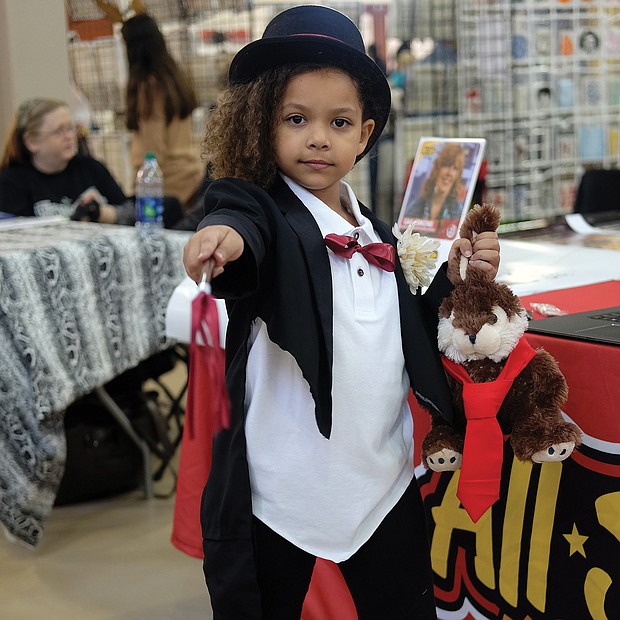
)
(159, 105)
(323, 344)
(41, 172)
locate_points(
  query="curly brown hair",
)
(240, 132)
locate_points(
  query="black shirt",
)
(23, 186)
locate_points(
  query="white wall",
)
(33, 54)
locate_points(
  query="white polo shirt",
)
(327, 496)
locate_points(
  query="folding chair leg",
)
(119, 415)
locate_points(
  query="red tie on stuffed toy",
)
(206, 391)
(481, 471)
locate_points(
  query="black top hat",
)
(315, 34)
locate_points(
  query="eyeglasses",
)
(59, 131)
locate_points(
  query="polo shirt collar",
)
(327, 219)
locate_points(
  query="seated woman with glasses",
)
(41, 172)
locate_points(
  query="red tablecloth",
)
(578, 299)
(592, 370)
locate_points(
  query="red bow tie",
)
(382, 255)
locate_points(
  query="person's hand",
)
(484, 255)
(89, 211)
(91, 206)
(223, 244)
(90, 194)
(108, 215)
(94, 212)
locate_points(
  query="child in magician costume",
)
(324, 337)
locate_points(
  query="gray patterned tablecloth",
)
(79, 304)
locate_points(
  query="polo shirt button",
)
(356, 235)
(360, 272)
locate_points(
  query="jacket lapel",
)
(311, 240)
(314, 356)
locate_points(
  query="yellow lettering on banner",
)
(512, 532)
(594, 588)
(542, 530)
(597, 580)
(449, 516)
(608, 512)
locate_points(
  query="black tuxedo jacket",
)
(284, 278)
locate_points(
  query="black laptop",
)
(601, 325)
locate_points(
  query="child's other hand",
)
(222, 243)
(484, 255)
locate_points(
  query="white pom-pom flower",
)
(418, 256)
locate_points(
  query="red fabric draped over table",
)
(593, 403)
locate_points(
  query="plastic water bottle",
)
(150, 195)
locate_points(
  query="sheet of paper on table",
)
(578, 223)
(529, 267)
(30, 222)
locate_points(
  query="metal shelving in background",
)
(539, 79)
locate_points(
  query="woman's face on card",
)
(446, 178)
(320, 130)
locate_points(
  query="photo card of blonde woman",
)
(441, 185)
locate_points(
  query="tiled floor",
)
(104, 560)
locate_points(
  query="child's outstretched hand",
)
(221, 243)
(484, 255)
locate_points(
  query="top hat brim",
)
(264, 54)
